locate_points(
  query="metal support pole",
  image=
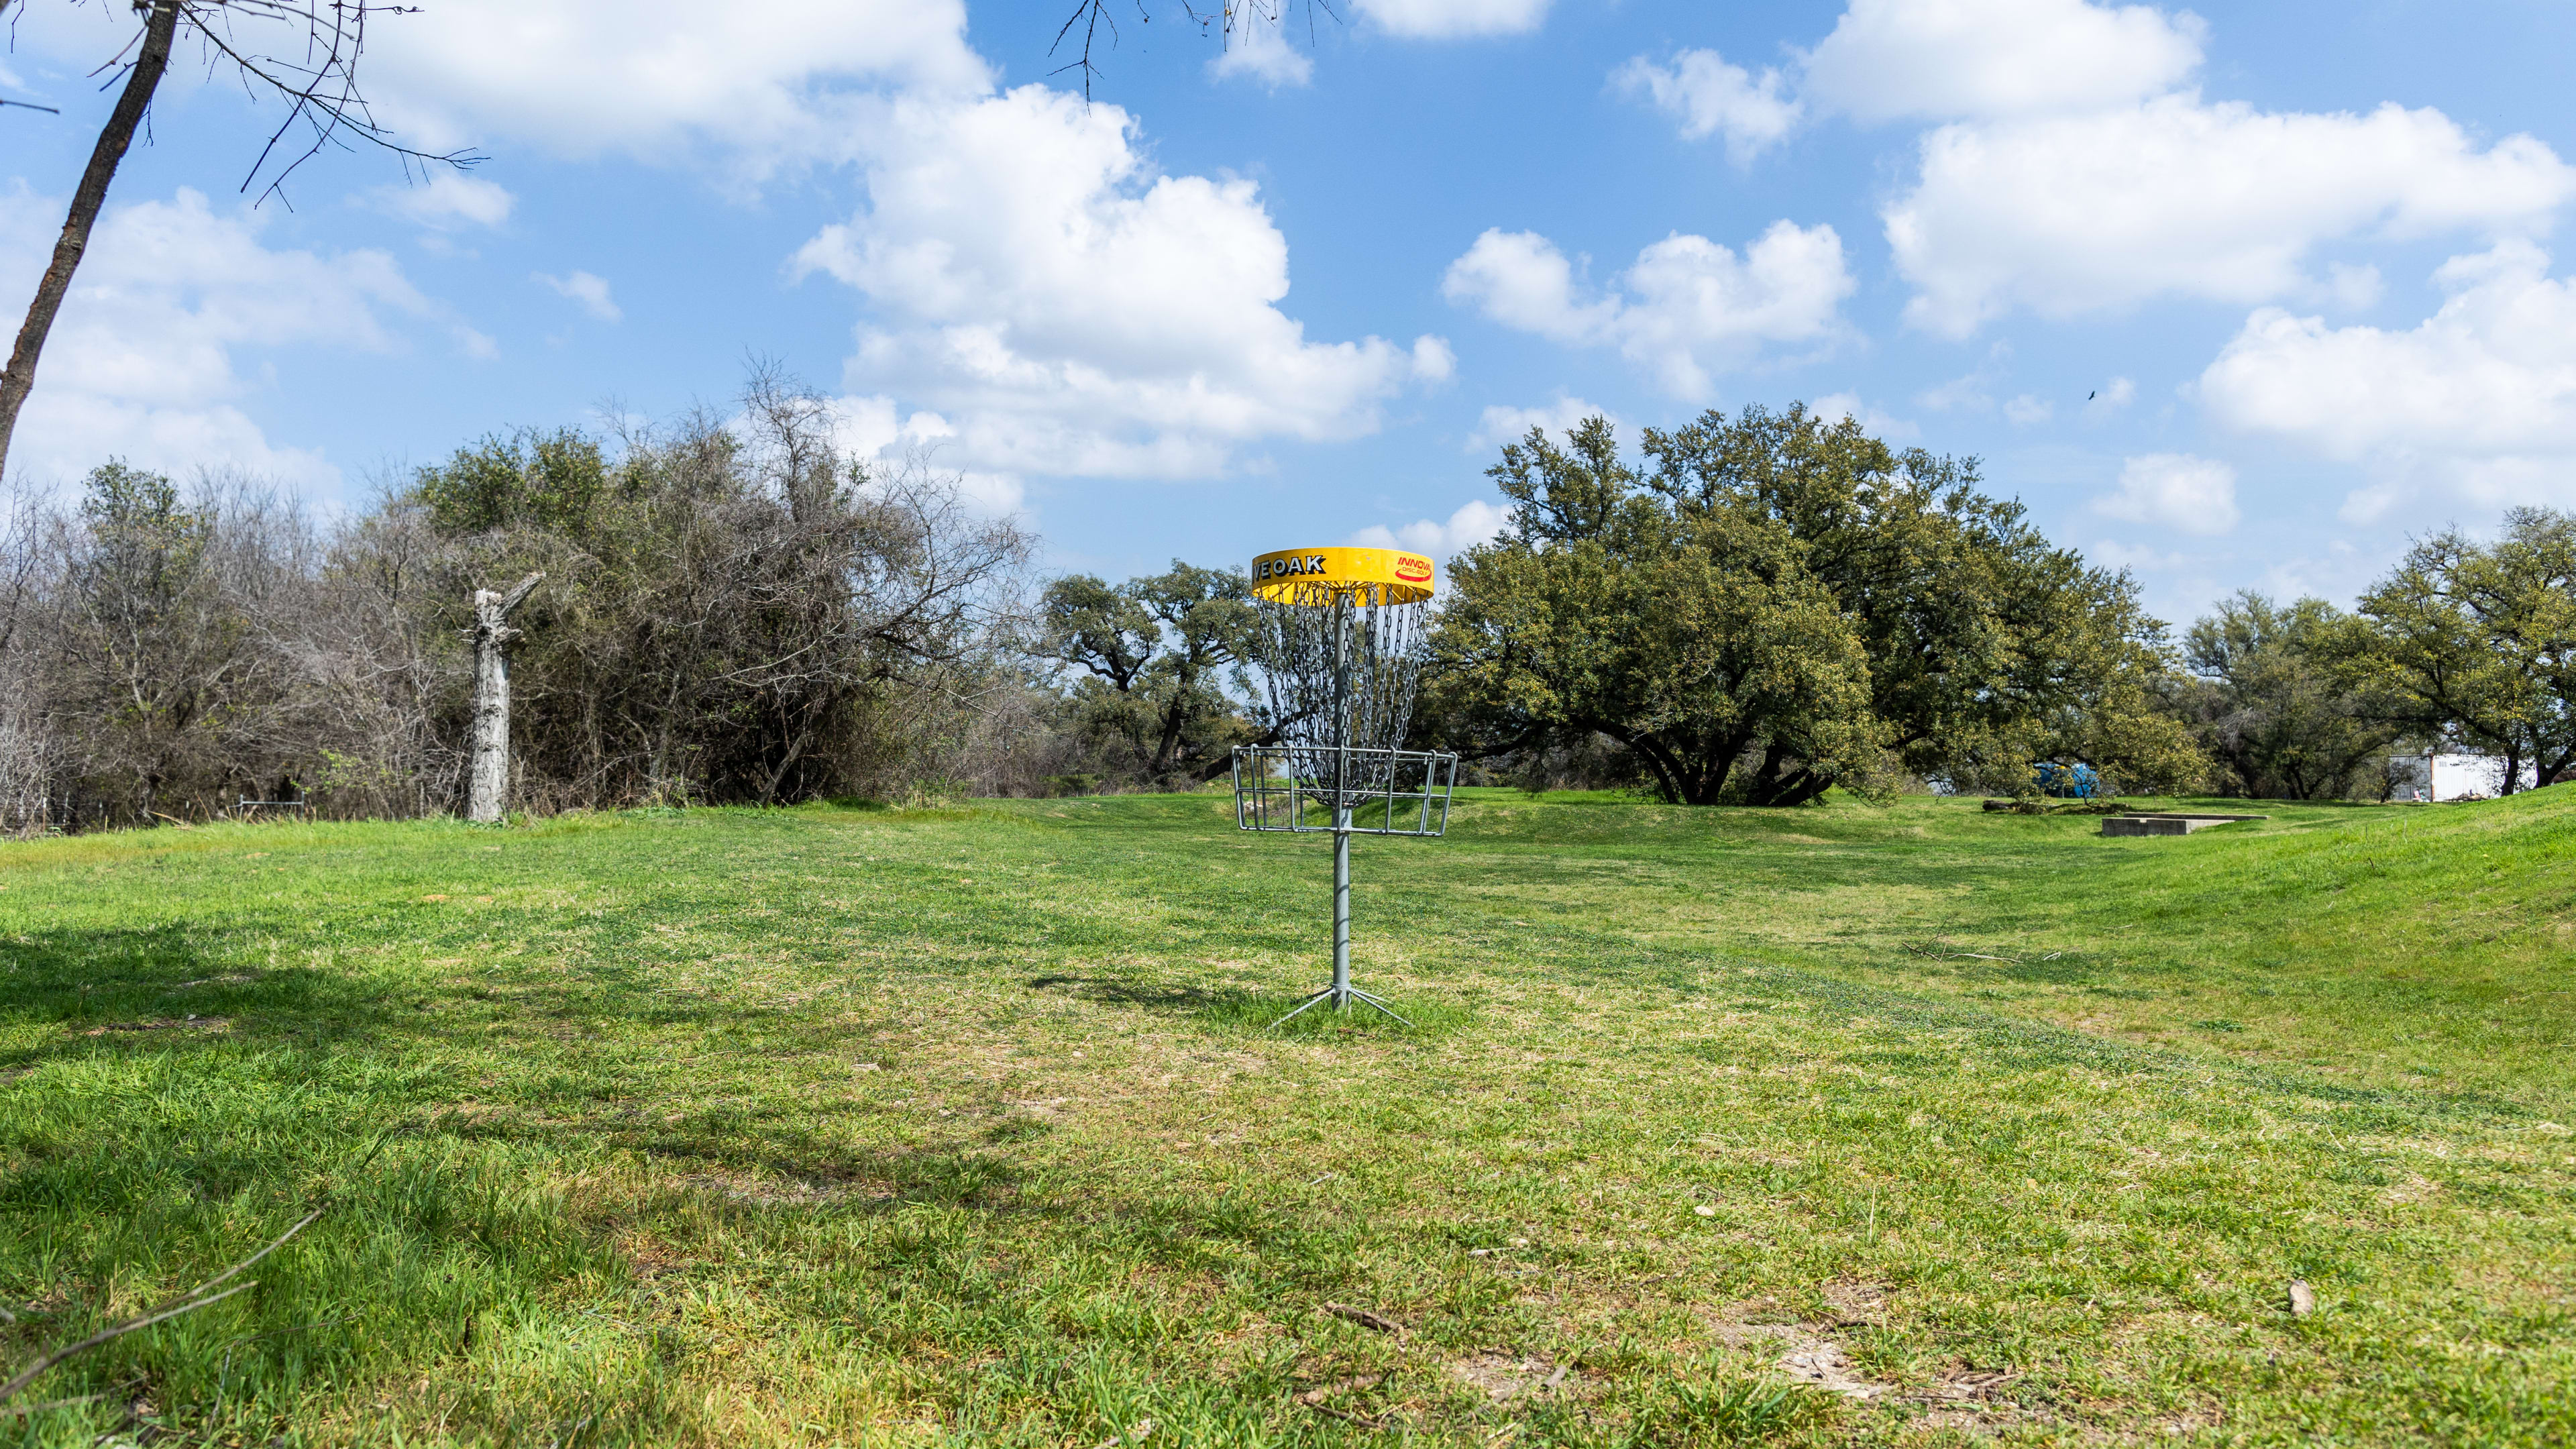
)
(1341, 804)
(1342, 909)
(1341, 993)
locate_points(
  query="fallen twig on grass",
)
(1960, 955)
(1363, 1317)
(119, 1330)
(1365, 1421)
(188, 1302)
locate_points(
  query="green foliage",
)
(2475, 643)
(731, 610)
(1783, 605)
(149, 648)
(141, 530)
(531, 479)
(2267, 706)
(1689, 635)
(1157, 655)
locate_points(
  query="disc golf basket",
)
(1342, 652)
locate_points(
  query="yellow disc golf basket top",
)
(1341, 655)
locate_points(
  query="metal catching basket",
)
(1341, 658)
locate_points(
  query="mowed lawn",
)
(1913, 1125)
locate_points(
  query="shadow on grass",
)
(156, 990)
(1115, 992)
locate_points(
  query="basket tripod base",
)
(1341, 997)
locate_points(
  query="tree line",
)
(2464, 645)
(1762, 608)
(1755, 609)
(732, 611)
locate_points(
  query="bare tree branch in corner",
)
(1094, 23)
(324, 108)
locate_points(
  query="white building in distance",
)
(2437, 778)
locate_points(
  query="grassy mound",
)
(1918, 1125)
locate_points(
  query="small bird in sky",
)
(2097, 392)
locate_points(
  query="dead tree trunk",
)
(487, 791)
(159, 23)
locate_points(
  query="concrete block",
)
(2168, 824)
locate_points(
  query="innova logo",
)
(1412, 568)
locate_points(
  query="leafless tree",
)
(314, 77)
(735, 604)
(157, 658)
(488, 753)
(29, 751)
(736, 610)
(376, 671)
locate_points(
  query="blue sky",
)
(2302, 257)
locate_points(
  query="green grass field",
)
(1912, 1125)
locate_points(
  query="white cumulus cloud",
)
(763, 80)
(2026, 411)
(2479, 399)
(1944, 59)
(1257, 49)
(146, 360)
(1706, 96)
(1453, 19)
(1500, 423)
(1474, 523)
(1066, 309)
(587, 289)
(2177, 197)
(1876, 422)
(1434, 360)
(447, 200)
(1687, 308)
(2177, 490)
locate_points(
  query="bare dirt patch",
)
(1502, 1377)
(759, 1191)
(1856, 1303)
(1820, 1362)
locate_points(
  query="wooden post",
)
(487, 791)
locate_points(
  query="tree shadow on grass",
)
(1152, 995)
(155, 989)
(149, 988)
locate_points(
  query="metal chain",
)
(1381, 647)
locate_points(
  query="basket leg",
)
(1341, 993)
(1319, 997)
(1374, 1000)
